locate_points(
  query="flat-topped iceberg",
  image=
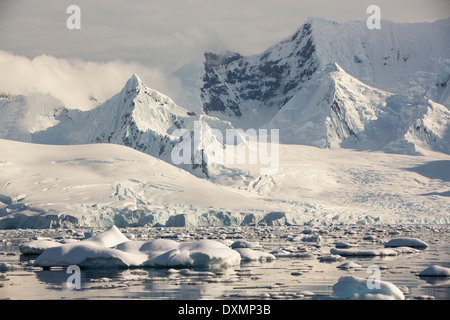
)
(364, 252)
(112, 249)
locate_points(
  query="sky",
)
(158, 37)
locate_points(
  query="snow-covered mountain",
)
(137, 117)
(336, 110)
(330, 108)
(332, 85)
(328, 85)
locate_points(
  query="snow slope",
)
(330, 108)
(98, 185)
(21, 116)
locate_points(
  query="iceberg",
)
(406, 242)
(248, 254)
(112, 249)
(435, 271)
(366, 252)
(351, 287)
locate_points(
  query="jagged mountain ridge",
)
(330, 108)
(290, 86)
(140, 118)
(295, 86)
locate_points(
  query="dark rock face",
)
(231, 81)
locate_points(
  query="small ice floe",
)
(331, 258)
(191, 273)
(306, 293)
(349, 265)
(424, 297)
(317, 238)
(404, 289)
(36, 247)
(406, 250)
(248, 254)
(113, 249)
(343, 245)
(406, 242)
(435, 271)
(281, 253)
(351, 287)
(244, 244)
(367, 252)
(289, 254)
(9, 267)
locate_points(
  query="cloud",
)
(74, 81)
(170, 33)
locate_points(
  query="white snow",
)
(435, 271)
(109, 238)
(351, 287)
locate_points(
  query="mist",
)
(77, 83)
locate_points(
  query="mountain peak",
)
(318, 20)
(134, 83)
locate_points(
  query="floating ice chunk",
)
(349, 265)
(306, 293)
(9, 267)
(331, 258)
(37, 246)
(406, 242)
(204, 253)
(312, 239)
(367, 252)
(248, 254)
(89, 255)
(406, 250)
(424, 297)
(112, 249)
(188, 272)
(351, 287)
(435, 271)
(343, 245)
(244, 244)
(281, 253)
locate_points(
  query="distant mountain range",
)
(330, 89)
(329, 85)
